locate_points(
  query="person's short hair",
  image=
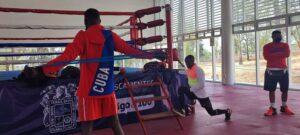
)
(190, 57)
(92, 14)
(276, 32)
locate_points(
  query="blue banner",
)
(53, 109)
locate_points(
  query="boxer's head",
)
(91, 17)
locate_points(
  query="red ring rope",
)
(67, 12)
(56, 38)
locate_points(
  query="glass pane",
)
(204, 14)
(270, 8)
(295, 19)
(294, 6)
(175, 16)
(295, 57)
(243, 11)
(237, 28)
(245, 65)
(190, 48)
(218, 57)
(189, 16)
(217, 13)
(205, 57)
(264, 37)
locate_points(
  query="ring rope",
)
(86, 61)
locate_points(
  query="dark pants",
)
(205, 102)
(272, 77)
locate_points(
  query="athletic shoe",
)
(228, 115)
(286, 110)
(270, 112)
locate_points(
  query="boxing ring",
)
(136, 27)
(44, 111)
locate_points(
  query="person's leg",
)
(272, 98)
(284, 108)
(284, 97)
(185, 91)
(86, 127)
(270, 85)
(284, 87)
(114, 122)
(85, 121)
(205, 103)
(182, 91)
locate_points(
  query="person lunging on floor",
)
(196, 91)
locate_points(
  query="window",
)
(175, 17)
(204, 20)
(209, 14)
(294, 6)
(205, 57)
(216, 13)
(189, 16)
(245, 60)
(218, 58)
(243, 11)
(190, 48)
(295, 57)
(270, 8)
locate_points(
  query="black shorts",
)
(272, 77)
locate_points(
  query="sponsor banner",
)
(53, 109)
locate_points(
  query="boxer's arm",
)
(268, 55)
(122, 47)
(70, 53)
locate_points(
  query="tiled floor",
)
(248, 105)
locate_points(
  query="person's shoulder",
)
(79, 36)
(80, 33)
(285, 44)
(267, 45)
(199, 68)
